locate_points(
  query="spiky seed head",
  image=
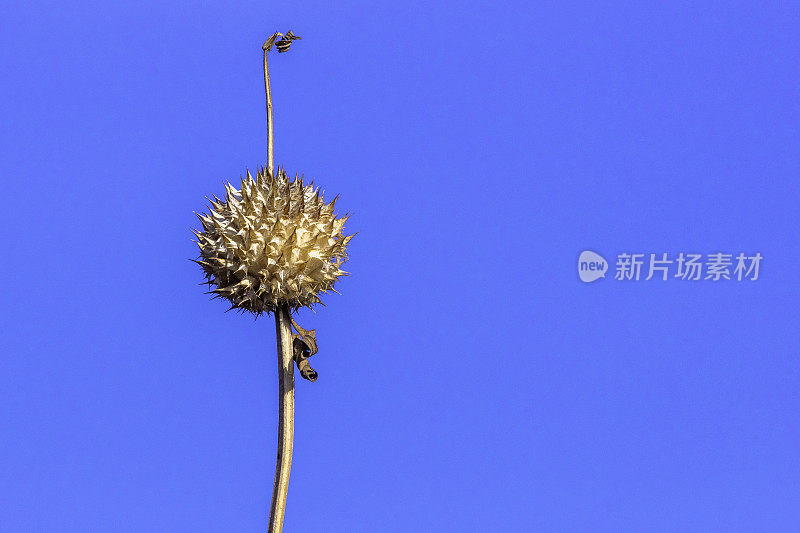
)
(274, 241)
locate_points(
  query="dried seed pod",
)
(274, 241)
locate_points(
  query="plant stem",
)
(269, 113)
(283, 333)
(283, 330)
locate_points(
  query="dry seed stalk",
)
(283, 332)
(274, 246)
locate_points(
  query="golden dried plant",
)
(274, 246)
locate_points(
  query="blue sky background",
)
(468, 380)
